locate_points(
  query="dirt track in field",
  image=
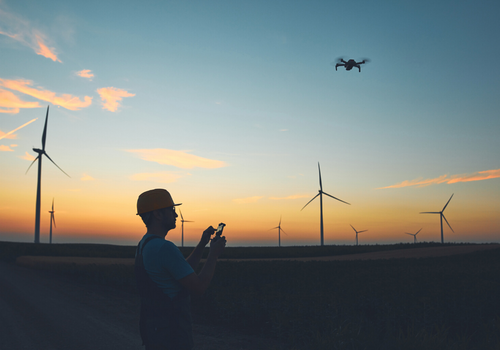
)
(400, 253)
(30, 261)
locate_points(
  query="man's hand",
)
(205, 237)
(217, 246)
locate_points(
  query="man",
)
(165, 279)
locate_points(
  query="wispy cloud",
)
(67, 101)
(247, 200)
(295, 196)
(112, 96)
(5, 148)
(22, 31)
(86, 73)
(28, 156)
(179, 159)
(86, 177)
(10, 103)
(10, 134)
(161, 177)
(449, 179)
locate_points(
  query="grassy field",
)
(433, 303)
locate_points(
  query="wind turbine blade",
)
(430, 212)
(362, 231)
(280, 221)
(44, 135)
(310, 201)
(181, 215)
(340, 200)
(320, 183)
(31, 164)
(418, 231)
(283, 231)
(411, 234)
(56, 164)
(52, 204)
(353, 228)
(53, 219)
(187, 221)
(444, 217)
(447, 202)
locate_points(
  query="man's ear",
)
(158, 214)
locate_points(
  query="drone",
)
(350, 64)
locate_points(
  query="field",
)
(448, 302)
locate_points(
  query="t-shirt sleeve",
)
(174, 262)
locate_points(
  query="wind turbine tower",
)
(414, 235)
(279, 232)
(357, 233)
(441, 215)
(52, 220)
(183, 221)
(320, 194)
(41, 152)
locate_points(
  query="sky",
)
(231, 106)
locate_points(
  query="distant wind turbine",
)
(52, 220)
(442, 217)
(41, 152)
(320, 194)
(357, 233)
(183, 221)
(414, 235)
(279, 232)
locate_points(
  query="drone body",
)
(350, 64)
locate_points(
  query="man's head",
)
(157, 203)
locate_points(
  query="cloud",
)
(4, 148)
(179, 159)
(295, 196)
(247, 200)
(43, 49)
(111, 96)
(86, 73)
(10, 134)
(21, 31)
(86, 177)
(10, 103)
(477, 176)
(28, 156)
(65, 100)
(161, 177)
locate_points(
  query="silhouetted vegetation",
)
(432, 303)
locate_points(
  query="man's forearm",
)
(194, 258)
(207, 272)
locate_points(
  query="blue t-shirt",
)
(165, 264)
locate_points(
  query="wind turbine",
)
(320, 194)
(414, 235)
(442, 217)
(41, 152)
(279, 232)
(52, 219)
(357, 233)
(183, 221)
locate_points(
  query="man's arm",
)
(198, 284)
(194, 258)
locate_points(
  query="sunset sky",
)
(230, 106)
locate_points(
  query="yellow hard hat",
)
(158, 198)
